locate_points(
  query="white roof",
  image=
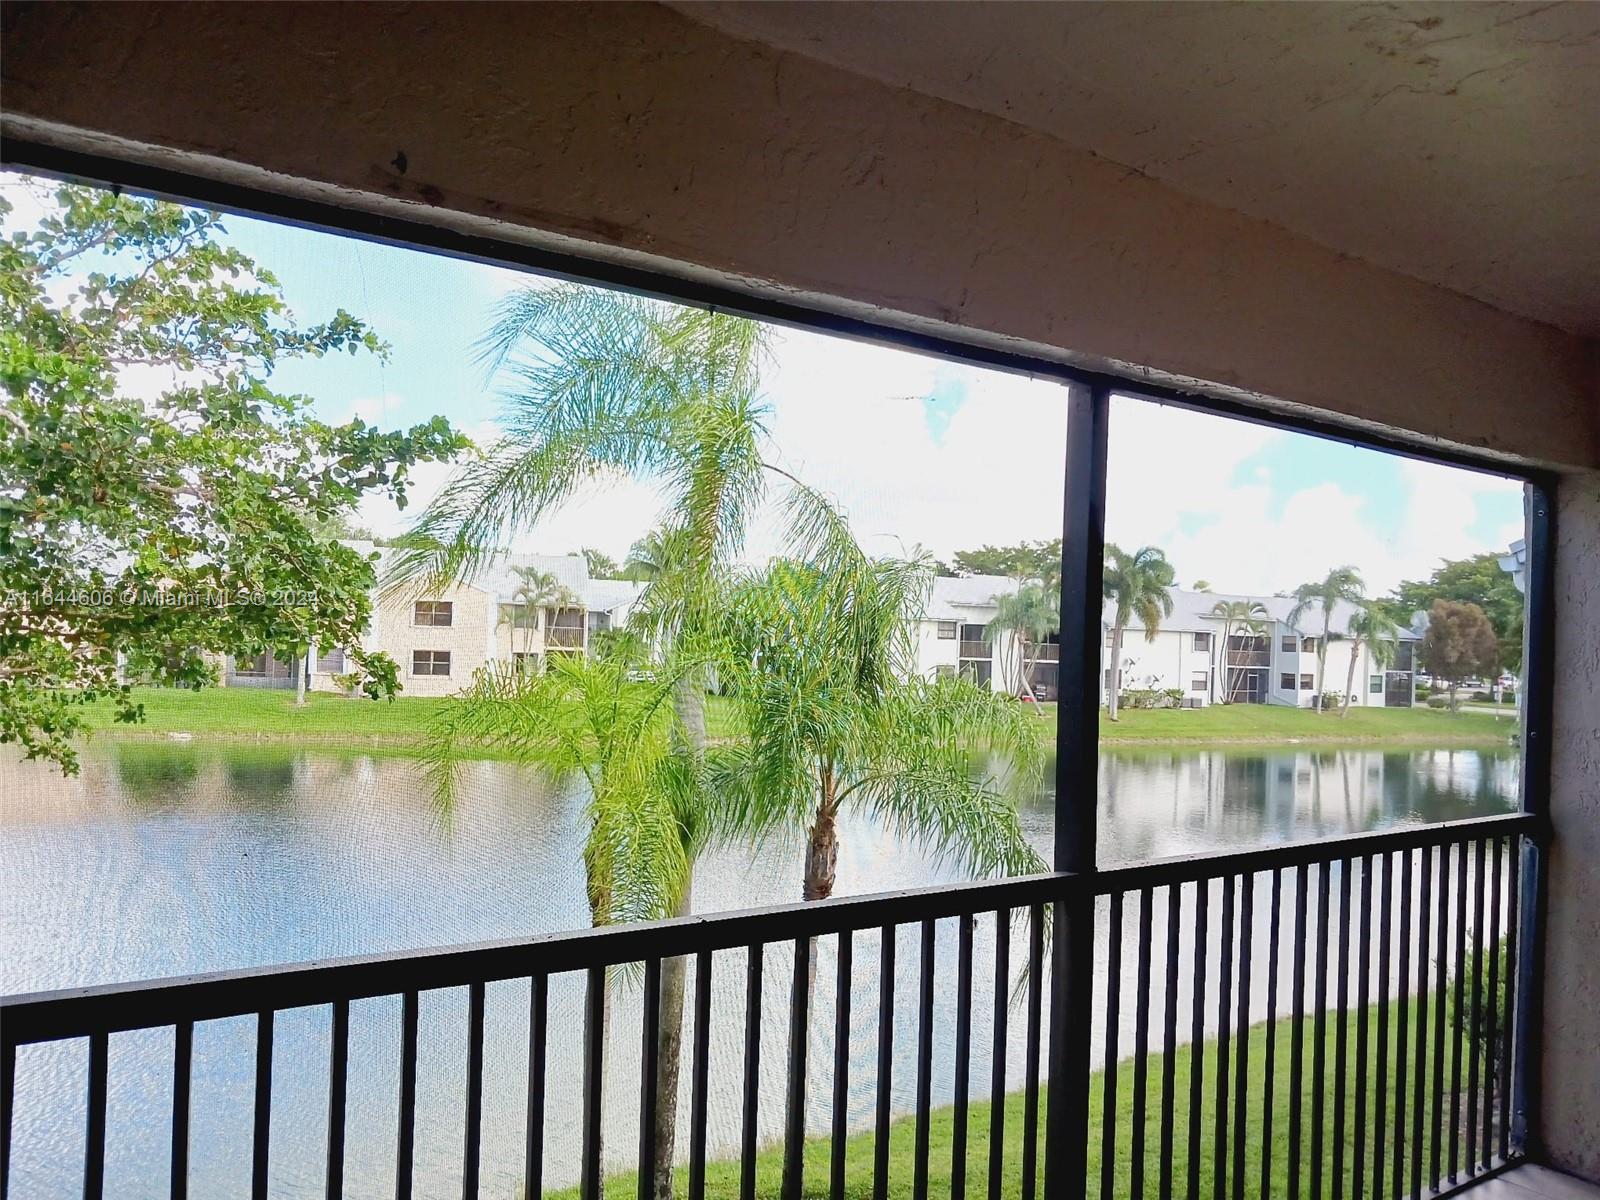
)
(500, 578)
(608, 595)
(963, 597)
(1191, 612)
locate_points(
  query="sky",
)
(919, 451)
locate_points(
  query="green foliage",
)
(1460, 644)
(1028, 560)
(1476, 580)
(601, 564)
(1480, 1014)
(1137, 585)
(158, 499)
(1340, 584)
(1147, 698)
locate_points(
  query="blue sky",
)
(919, 451)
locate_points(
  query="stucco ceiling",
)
(1458, 143)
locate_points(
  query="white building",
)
(1276, 666)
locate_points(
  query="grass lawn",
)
(253, 713)
(722, 1178)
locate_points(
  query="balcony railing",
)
(978, 649)
(1359, 974)
(566, 637)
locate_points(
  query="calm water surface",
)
(170, 859)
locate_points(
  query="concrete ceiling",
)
(1458, 143)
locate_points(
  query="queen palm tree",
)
(1030, 614)
(1341, 583)
(1245, 616)
(1371, 627)
(1138, 585)
(612, 725)
(646, 558)
(536, 590)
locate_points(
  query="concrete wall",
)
(634, 133)
(1570, 1120)
(470, 637)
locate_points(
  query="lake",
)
(165, 859)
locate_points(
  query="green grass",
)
(722, 1178)
(251, 713)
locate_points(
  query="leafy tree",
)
(601, 564)
(1248, 618)
(1027, 560)
(1137, 585)
(1476, 580)
(1460, 644)
(1030, 614)
(158, 499)
(1370, 627)
(1340, 584)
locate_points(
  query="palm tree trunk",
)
(303, 653)
(1114, 672)
(689, 706)
(822, 854)
(1350, 678)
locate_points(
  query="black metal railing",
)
(1332, 1018)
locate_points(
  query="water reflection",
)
(170, 859)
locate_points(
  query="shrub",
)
(1438, 701)
(1150, 698)
(1330, 700)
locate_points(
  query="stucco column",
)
(1569, 1123)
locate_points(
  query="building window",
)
(1307, 683)
(430, 662)
(947, 631)
(599, 622)
(331, 663)
(1286, 681)
(1290, 643)
(526, 664)
(1198, 681)
(433, 612)
(1309, 645)
(1375, 685)
(1202, 643)
(251, 668)
(944, 671)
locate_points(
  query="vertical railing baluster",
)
(8, 1092)
(1341, 1035)
(963, 1063)
(1141, 1047)
(841, 1063)
(1219, 1175)
(1513, 916)
(338, 1090)
(406, 1134)
(1035, 1032)
(1419, 1099)
(1297, 1031)
(1440, 981)
(919, 1188)
(1169, 1038)
(1197, 1035)
(998, 1055)
(1358, 1151)
(1380, 1107)
(1479, 875)
(880, 1142)
(649, 1075)
(1269, 1058)
(182, 1075)
(538, 1050)
(261, 1143)
(699, 1090)
(1241, 1074)
(1402, 1016)
(752, 1070)
(1490, 1025)
(94, 1142)
(470, 1156)
(794, 1125)
(592, 1170)
(1319, 1035)
(1463, 866)
(1108, 1112)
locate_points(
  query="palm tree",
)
(835, 720)
(646, 558)
(536, 590)
(1373, 628)
(1030, 614)
(1138, 585)
(1341, 583)
(1246, 616)
(607, 384)
(603, 720)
